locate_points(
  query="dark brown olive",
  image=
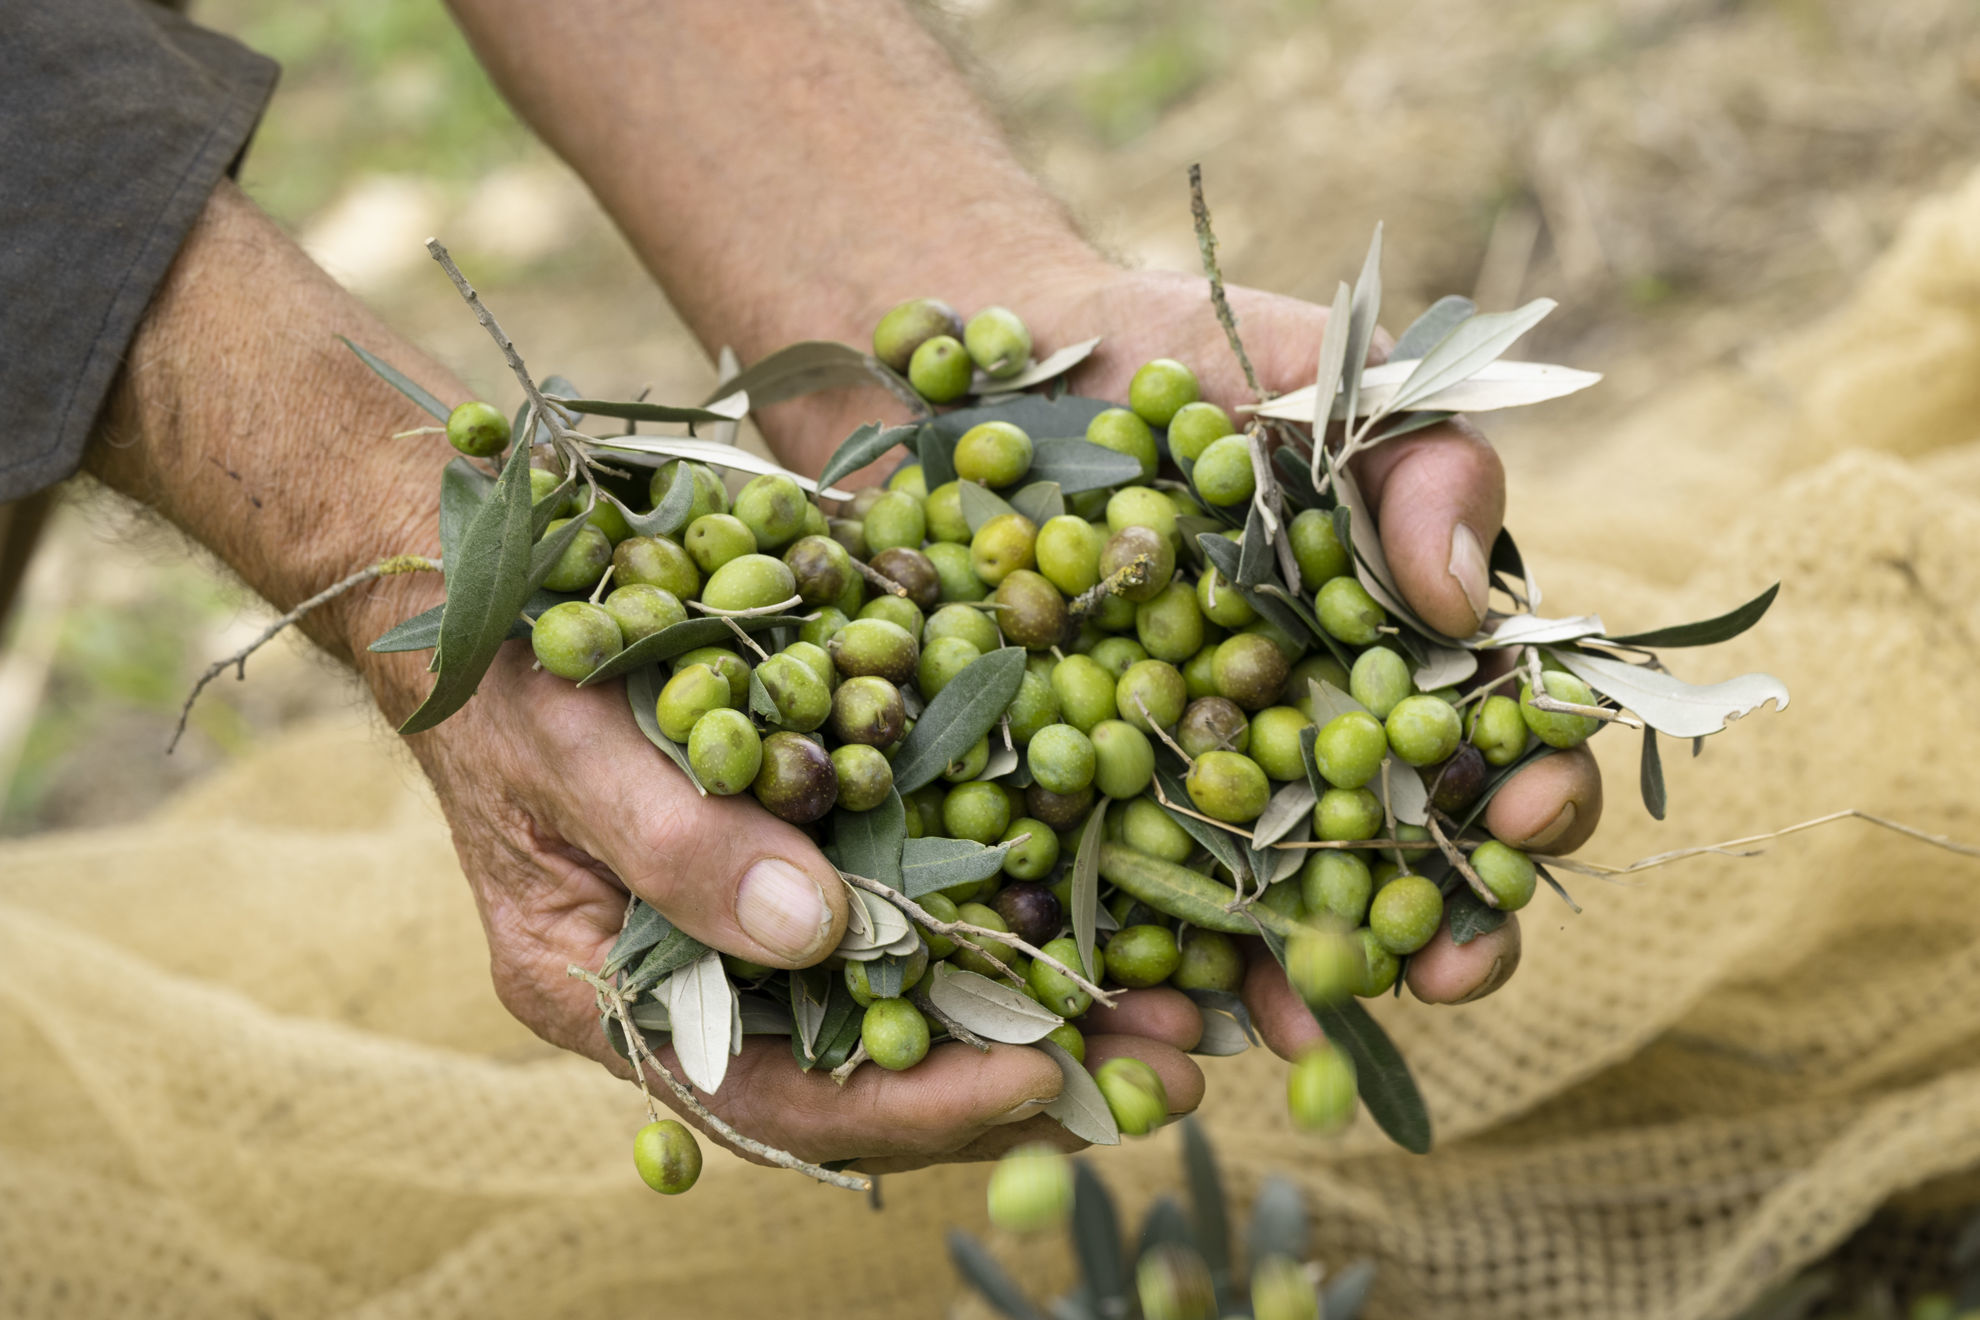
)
(913, 570)
(1213, 724)
(1061, 811)
(1030, 909)
(868, 710)
(1034, 613)
(1459, 780)
(822, 567)
(1144, 544)
(798, 780)
(1249, 669)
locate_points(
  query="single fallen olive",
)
(667, 1156)
(1320, 1090)
(1067, 551)
(574, 638)
(749, 582)
(477, 429)
(1275, 735)
(1031, 1189)
(1061, 811)
(1061, 758)
(1135, 1095)
(894, 1033)
(1324, 965)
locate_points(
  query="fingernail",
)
(1542, 837)
(1027, 1109)
(781, 908)
(1468, 566)
(1493, 979)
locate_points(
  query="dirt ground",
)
(1688, 177)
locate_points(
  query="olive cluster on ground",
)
(1137, 651)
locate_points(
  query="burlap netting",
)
(253, 1066)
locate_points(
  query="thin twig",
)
(604, 579)
(754, 612)
(1727, 848)
(952, 929)
(1226, 826)
(1206, 244)
(238, 661)
(744, 637)
(843, 1073)
(1134, 573)
(956, 1030)
(1464, 868)
(878, 579)
(1163, 733)
(644, 1057)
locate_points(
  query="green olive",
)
(1349, 749)
(1337, 885)
(897, 610)
(1061, 758)
(940, 369)
(667, 1157)
(977, 627)
(710, 495)
(1406, 912)
(725, 751)
(1147, 553)
(1135, 1095)
(1423, 730)
(1223, 476)
(1195, 427)
(1383, 966)
(910, 478)
(1348, 612)
(1379, 679)
(1141, 506)
(1123, 432)
(1324, 965)
(1054, 988)
(724, 662)
(1160, 389)
(477, 429)
(993, 454)
(955, 572)
(942, 513)
(1066, 1036)
(715, 539)
(1036, 856)
(1507, 872)
(749, 582)
(1117, 655)
(894, 1033)
(656, 561)
(1220, 600)
(1209, 960)
(1067, 551)
(641, 610)
(1275, 742)
(998, 342)
(772, 506)
(1031, 1188)
(1553, 727)
(802, 698)
(1228, 787)
(1034, 707)
(1170, 625)
(692, 692)
(1320, 1090)
(543, 484)
(974, 960)
(574, 638)
(1033, 614)
(976, 811)
(1318, 552)
(909, 325)
(1150, 695)
(583, 561)
(896, 518)
(869, 711)
(1085, 692)
(1142, 956)
(1123, 759)
(1498, 730)
(1003, 545)
(1282, 1290)
(865, 778)
(877, 647)
(942, 660)
(1148, 828)
(1213, 723)
(1346, 815)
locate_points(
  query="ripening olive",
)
(772, 507)
(1250, 670)
(1195, 427)
(821, 568)
(477, 429)
(1160, 389)
(865, 777)
(850, 533)
(710, 495)
(798, 780)
(640, 610)
(1123, 432)
(1228, 787)
(940, 369)
(913, 571)
(574, 638)
(1149, 557)
(583, 561)
(1030, 910)
(1142, 956)
(801, 697)
(667, 1157)
(725, 751)
(909, 325)
(1061, 811)
(875, 646)
(715, 539)
(1213, 723)
(1003, 545)
(1456, 784)
(1033, 614)
(868, 710)
(1209, 961)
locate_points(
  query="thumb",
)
(723, 869)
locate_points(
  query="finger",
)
(1281, 1016)
(1163, 1013)
(1181, 1078)
(722, 868)
(990, 1145)
(1444, 972)
(1553, 805)
(1439, 497)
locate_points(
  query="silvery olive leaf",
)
(710, 452)
(1035, 373)
(1291, 859)
(980, 505)
(1444, 666)
(761, 1015)
(1327, 383)
(992, 1011)
(1471, 344)
(403, 383)
(1429, 329)
(863, 446)
(934, 862)
(1404, 793)
(1003, 760)
(1330, 703)
(1041, 501)
(1227, 1025)
(1085, 904)
(1079, 1107)
(727, 368)
(1291, 804)
(859, 926)
(1365, 313)
(1529, 630)
(642, 693)
(699, 999)
(890, 924)
(1495, 386)
(730, 408)
(1667, 703)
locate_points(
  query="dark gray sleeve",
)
(117, 119)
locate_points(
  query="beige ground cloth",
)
(250, 1064)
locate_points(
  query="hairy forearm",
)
(241, 419)
(787, 169)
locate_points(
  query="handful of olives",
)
(1080, 698)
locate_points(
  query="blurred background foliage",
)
(1688, 177)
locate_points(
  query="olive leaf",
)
(1041, 501)
(1037, 373)
(675, 950)
(1470, 917)
(813, 365)
(1278, 1222)
(1085, 894)
(864, 446)
(1402, 792)
(811, 1000)
(1443, 666)
(1079, 1107)
(1364, 312)
(1507, 563)
(679, 639)
(1651, 776)
(1530, 630)
(761, 703)
(644, 928)
(870, 842)
(1429, 329)
(1327, 383)
(1255, 551)
(839, 1045)
(1386, 1086)
(700, 1006)
(463, 489)
(489, 579)
(880, 927)
(712, 452)
(1226, 847)
(980, 1270)
(730, 407)
(1165, 1223)
(1558, 888)
(760, 1015)
(398, 380)
(1080, 465)
(1347, 1292)
(642, 693)
(933, 863)
(1669, 704)
(422, 631)
(992, 1011)
(979, 505)
(936, 450)
(670, 515)
(1292, 803)
(1706, 632)
(1492, 388)
(1227, 1027)
(884, 976)
(960, 714)
(1210, 1214)
(1035, 414)
(1096, 1234)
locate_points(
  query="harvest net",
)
(254, 1066)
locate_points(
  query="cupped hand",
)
(560, 810)
(1439, 499)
